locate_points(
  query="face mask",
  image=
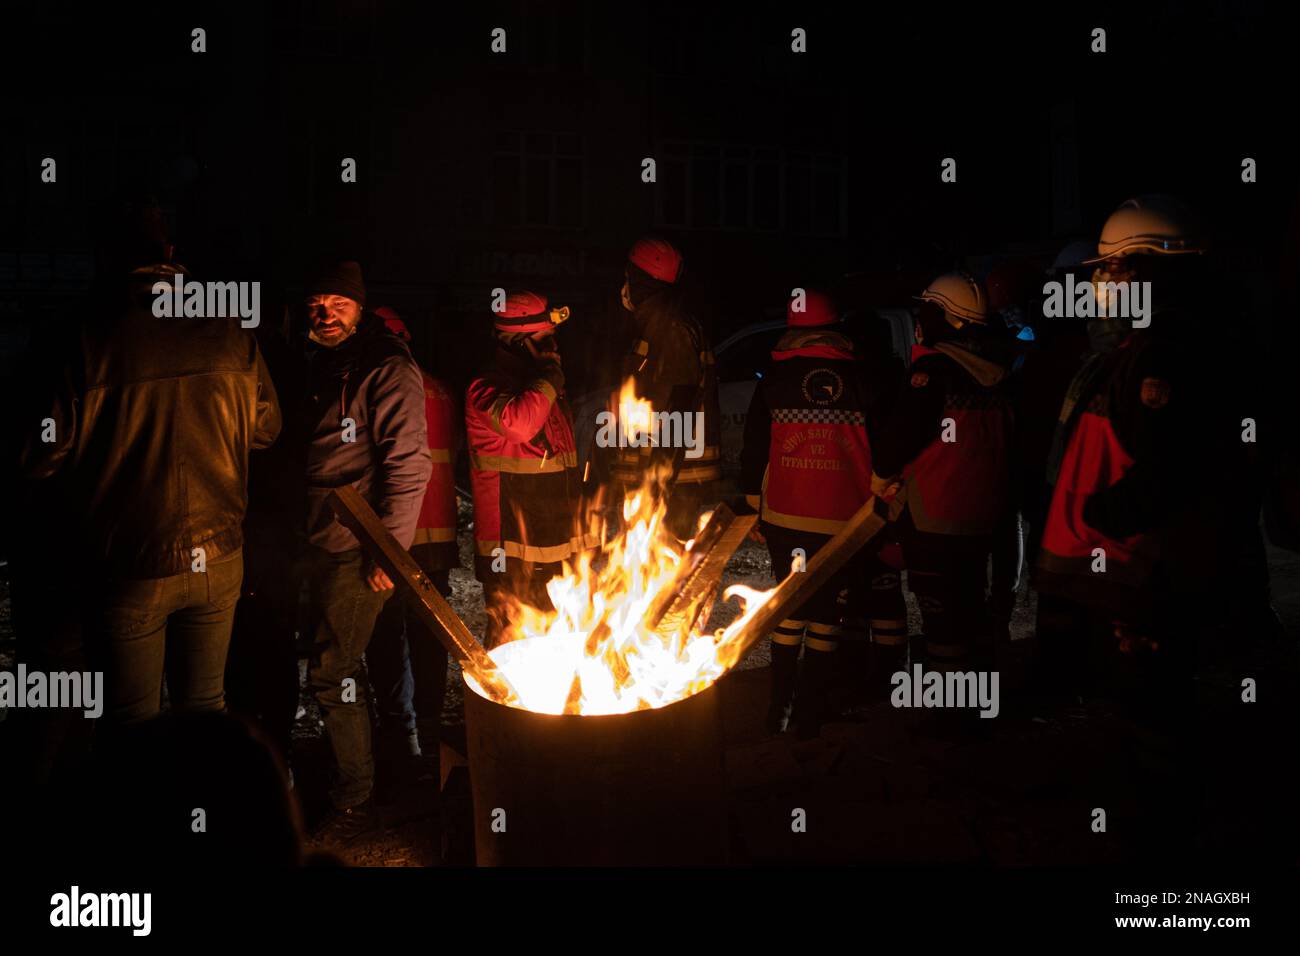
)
(1110, 270)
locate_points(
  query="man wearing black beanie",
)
(365, 427)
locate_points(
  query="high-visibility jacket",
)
(807, 453)
(436, 528)
(950, 438)
(1099, 543)
(671, 364)
(523, 466)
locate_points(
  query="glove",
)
(884, 487)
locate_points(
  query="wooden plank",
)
(701, 568)
(696, 580)
(799, 586)
(355, 513)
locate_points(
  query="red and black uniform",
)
(949, 440)
(671, 364)
(524, 472)
(807, 457)
(1116, 485)
(806, 465)
(435, 533)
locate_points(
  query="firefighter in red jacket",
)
(408, 667)
(671, 365)
(806, 467)
(1120, 464)
(947, 445)
(523, 463)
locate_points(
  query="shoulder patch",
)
(920, 379)
(1155, 392)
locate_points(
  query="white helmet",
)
(1159, 224)
(1073, 256)
(960, 296)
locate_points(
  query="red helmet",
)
(393, 322)
(818, 309)
(658, 258)
(523, 312)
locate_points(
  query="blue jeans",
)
(344, 610)
(138, 629)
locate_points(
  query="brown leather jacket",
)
(151, 424)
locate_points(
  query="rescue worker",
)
(947, 445)
(806, 468)
(671, 365)
(1121, 456)
(523, 463)
(408, 666)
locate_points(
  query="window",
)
(537, 179)
(712, 186)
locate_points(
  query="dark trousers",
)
(407, 664)
(180, 625)
(345, 611)
(948, 574)
(262, 669)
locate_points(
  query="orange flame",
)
(595, 653)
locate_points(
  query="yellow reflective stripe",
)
(528, 552)
(945, 650)
(787, 640)
(823, 629)
(820, 644)
(434, 535)
(524, 466)
(641, 347)
(753, 501)
(703, 473)
(792, 625)
(800, 523)
(889, 640)
(440, 456)
(629, 452)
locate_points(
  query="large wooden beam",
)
(355, 513)
(697, 577)
(799, 586)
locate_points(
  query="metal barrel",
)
(638, 789)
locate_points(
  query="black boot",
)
(785, 663)
(814, 680)
(886, 660)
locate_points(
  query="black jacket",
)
(152, 422)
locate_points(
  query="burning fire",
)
(635, 415)
(597, 654)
